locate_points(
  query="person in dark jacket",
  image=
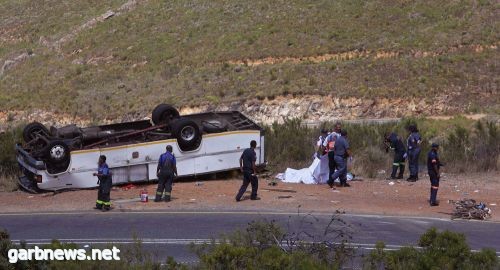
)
(433, 166)
(166, 170)
(413, 143)
(393, 141)
(249, 170)
(105, 182)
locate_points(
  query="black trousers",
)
(103, 193)
(331, 166)
(165, 181)
(413, 155)
(434, 186)
(399, 162)
(248, 179)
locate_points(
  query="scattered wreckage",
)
(469, 209)
(65, 158)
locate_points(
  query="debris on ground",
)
(391, 183)
(127, 187)
(280, 190)
(284, 197)
(469, 209)
(272, 183)
(198, 184)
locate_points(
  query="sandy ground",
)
(368, 196)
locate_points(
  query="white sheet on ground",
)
(317, 173)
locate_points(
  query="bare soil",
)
(368, 196)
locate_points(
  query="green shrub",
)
(289, 144)
(7, 150)
(8, 162)
(437, 250)
(465, 144)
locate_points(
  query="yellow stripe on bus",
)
(159, 142)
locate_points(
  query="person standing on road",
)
(394, 142)
(413, 143)
(329, 145)
(433, 166)
(105, 182)
(342, 152)
(249, 170)
(166, 170)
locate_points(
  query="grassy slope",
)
(178, 51)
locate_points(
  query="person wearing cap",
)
(413, 143)
(105, 182)
(166, 170)
(342, 152)
(433, 165)
(393, 141)
(329, 145)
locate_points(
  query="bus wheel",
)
(187, 133)
(57, 152)
(163, 114)
(32, 129)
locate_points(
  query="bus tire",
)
(30, 131)
(163, 114)
(57, 152)
(187, 133)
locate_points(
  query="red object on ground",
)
(129, 186)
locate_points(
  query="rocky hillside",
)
(98, 61)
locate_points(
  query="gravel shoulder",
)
(367, 196)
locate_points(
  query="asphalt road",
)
(170, 233)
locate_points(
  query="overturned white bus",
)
(66, 157)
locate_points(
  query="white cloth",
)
(317, 173)
(320, 173)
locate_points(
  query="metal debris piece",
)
(469, 209)
(280, 190)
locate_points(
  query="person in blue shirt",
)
(433, 166)
(166, 170)
(394, 142)
(105, 182)
(413, 143)
(249, 170)
(342, 152)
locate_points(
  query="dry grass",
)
(181, 52)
